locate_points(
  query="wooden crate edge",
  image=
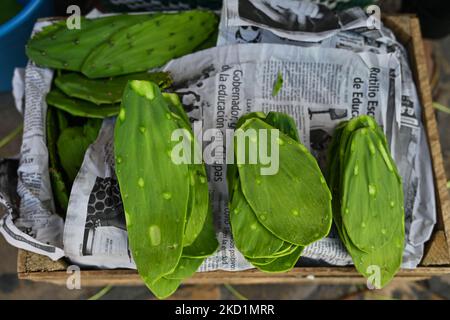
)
(424, 90)
(339, 275)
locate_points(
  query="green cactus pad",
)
(80, 108)
(284, 123)
(155, 195)
(367, 199)
(63, 122)
(60, 194)
(200, 203)
(59, 187)
(150, 44)
(256, 240)
(232, 173)
(300, 219)
(285, 250)
(47, 31)
(278, 120)
(52, 133)
(387, 258)
(72, 144)
(251, 115)
(206, 243)
(198, 192)
(59, 47)
(372, 217)
(332, 170)
(105, 91)
(169, 219)
(185, 268)
(364, 121)
(163, 287)
(251, 238)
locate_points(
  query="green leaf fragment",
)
(210, 42)
(441, 107)
(278, 84)
(198, 191)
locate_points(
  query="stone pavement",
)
(436, 288)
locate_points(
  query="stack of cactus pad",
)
(75, 110)
(367, 199)
(95, 62)
(121, 44)
(167, 207)
(274, 216)
(68, 138)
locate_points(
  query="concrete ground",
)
(436, 288)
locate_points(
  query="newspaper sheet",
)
(402, 121)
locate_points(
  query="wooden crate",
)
(436, 260)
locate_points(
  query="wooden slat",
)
(400, 25)
(332, 275)
(423, 86)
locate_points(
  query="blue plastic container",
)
(15, 33)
